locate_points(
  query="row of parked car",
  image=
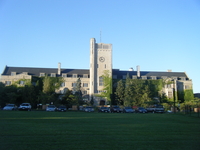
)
(27, 107)
(117, 109)
(113, 109)
(23, 106)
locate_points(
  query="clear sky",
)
(156, 34)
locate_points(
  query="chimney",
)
(131, 69)
(138, 71)
(169, 70)
(59, 68)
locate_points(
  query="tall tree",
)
(120, 92)
(128, 95)
(78, 93)
(107, 86)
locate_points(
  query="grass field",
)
(93, 131)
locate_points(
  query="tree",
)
(78, 93)
(107, 86)
(128, 92)
(50, 84)
(120, 92)
(69, 99)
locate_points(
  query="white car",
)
(10, 107)
(51, 108)
(25, 106)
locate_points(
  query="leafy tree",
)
(78, 93)
(107, 86)
(69, 99)
(50, 84)
(120, 92)
(188, 95)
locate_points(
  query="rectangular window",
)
(74, 76)
(21, 82)
(85, 76)
(168, 85)
(114, 76)
(182, 78)
(73, 84)
(8, 83)
(164, 77)
(144, 77)
(62, 84)
(85, 84)
(53, 75)
(124, 77)
(84, 92)
(187, 87)
(42, 74)
(170, 94)
(100, 81)
(64, 75)
(13, 73)
(134, 77)
(153, 77)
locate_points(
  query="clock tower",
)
(100, 60)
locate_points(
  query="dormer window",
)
(25, 73)
(42, 74)
(182, 78)
(53, 75)
(164, 77)
(144, 77)
(134, 77)
(175, 78)
(64, 75)
(74, 76)
(153, 77)
(85, 75)
(13, 73)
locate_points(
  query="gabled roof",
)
(37, 71)
(80, 72)
(121, 73)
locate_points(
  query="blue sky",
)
(156, 34)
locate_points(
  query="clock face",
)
(101, 59)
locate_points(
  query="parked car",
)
(141, 110)
(155, 109)
(61, 108)
(128, 110)
(51, 108)
(104, 109)
(117, 109)
(10, 107)
(25, 106)
(89, 109)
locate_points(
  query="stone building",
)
(91, 80)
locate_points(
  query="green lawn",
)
(79, 130)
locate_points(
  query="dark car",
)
(104, 109)
(116, 109)
(141, 110)
(61, 108)
(128, 110)
(89, 109)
